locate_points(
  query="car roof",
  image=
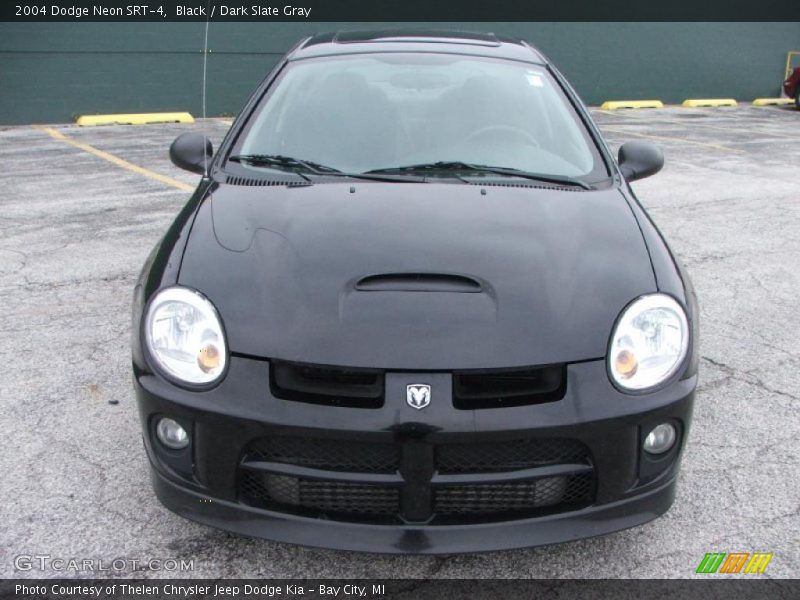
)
(416, 40)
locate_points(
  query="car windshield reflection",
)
(373, 112)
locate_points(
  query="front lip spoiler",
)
(408, 539)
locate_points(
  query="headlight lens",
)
(185, 337)
(649, 342)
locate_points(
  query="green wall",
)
(51, 72)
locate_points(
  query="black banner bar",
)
(752, 587)
(395, 10)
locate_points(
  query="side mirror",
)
(191, 151)
(638, 160)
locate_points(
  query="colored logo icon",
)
(736, 562)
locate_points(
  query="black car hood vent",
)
(254, 182)
(418, 282)
(522, 184)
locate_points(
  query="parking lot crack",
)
(720, 365)
(757, 382)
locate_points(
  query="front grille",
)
(506, 388)
(320, 498)
(328, 454)
(331, 386)
(365, 388)
(506, 498)
(364, 480)
(496, 457)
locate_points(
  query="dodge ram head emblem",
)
(418, 395)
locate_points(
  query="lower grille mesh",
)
(353, 497)
(332, 455)
(499, 498)
(486, 457)
(333, 497)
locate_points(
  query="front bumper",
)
(610, 484)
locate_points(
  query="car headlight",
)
(649, 342)
(184, 335)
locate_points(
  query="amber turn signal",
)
(625, 364)
(208, 358)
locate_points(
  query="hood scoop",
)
(419, 282)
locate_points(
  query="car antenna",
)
(205, 70)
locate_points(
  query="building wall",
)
(51, 72)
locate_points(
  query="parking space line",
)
(738, 130)
(57, 135)
(664, 138)
(663, 119)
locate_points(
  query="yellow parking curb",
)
(135, 119)
(772, 101)
(615, 104)
(703, 102)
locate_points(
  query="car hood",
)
(417, 276)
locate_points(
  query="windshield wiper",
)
(459, 166)
(280, 162)
(300, 167)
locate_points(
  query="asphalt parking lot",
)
(76, 228)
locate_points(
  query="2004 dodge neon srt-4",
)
(414, 306)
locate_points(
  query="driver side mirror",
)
(638, 160)
(192, 152)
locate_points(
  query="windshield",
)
(376, 112)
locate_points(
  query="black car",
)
(414, 306)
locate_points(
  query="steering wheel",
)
(502, 129)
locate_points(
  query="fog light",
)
(171, 434)
(660, 439)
